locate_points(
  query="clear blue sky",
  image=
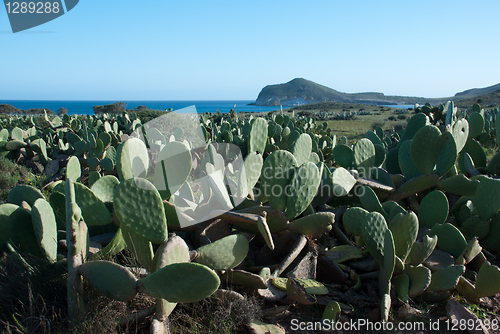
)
(211, 50)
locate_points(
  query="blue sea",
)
(85, 107)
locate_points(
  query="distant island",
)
(300, 91)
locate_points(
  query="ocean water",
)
(85, 107)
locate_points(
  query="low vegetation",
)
(333, 220)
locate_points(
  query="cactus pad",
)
(258, 136)
(181, 283)
(16, 226)
(425, 148)
(402, 284)
(73, 169)
(488, 281)
(313, 287)
(406, 162)
(93, 209)
(21, 193)
(488, 198)
(404, 228)
(276, 175)
(172, 167)
(343, 155)
(353, 219)
(491, 241)
(225, 253)
(253, 167)
(45, 227)
(105, 187)
(434, 209)
(344, 253)
(314, 225)
(450, 239)
(445, 279)
(342, 181)
(420, 251)
(301, 149)
(302, 188)
(459, 185)
(112, 280)
(374, 228)
(370, 201)
(132, 159)
(364, 156)
(461, 133)
(139, 206)
(420, 278)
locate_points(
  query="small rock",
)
(457, 312)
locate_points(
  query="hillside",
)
(300, 91)
(477, 91)
(491, 99)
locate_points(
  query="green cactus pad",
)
(395, 211)
(301, 149)
(375, 139)
(473, 249)
(459, 185)
(461, 133)
(476, 124)
(16, 226)
(181, 283)
(374, 228)
(380, 155)
(364, 156)
(105, 187)
(418, 184)
(225, 253)
(491, 241)
(392, 161)
(487, 199)
(313, 287)
(258, 136)
(448, 153)
(302, 188)
(370, 201)
(132, 159)
(112, 280)
(425, 148)
(450, 239)
(421, 250)
(253, 166)
(93, 209)
(475, 227)
(406, 163)
(139, 206)
(332, 312)
(343, 155)
(343, 253)
(172, 168)
(342, 181)
(276, 175)
(73, 169)
(21, 193)
(416, 122)
(57, 201)
(404, 228)
(107, 164)
(488, 281)
(434, 209)
(314, 225)
(14, 145)
(402, 284)
(445, 279)
(387, 269)
(420, 278)
(476, 152)
(353, 220)
(244, 278)
(45, 227)
(174, 250)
